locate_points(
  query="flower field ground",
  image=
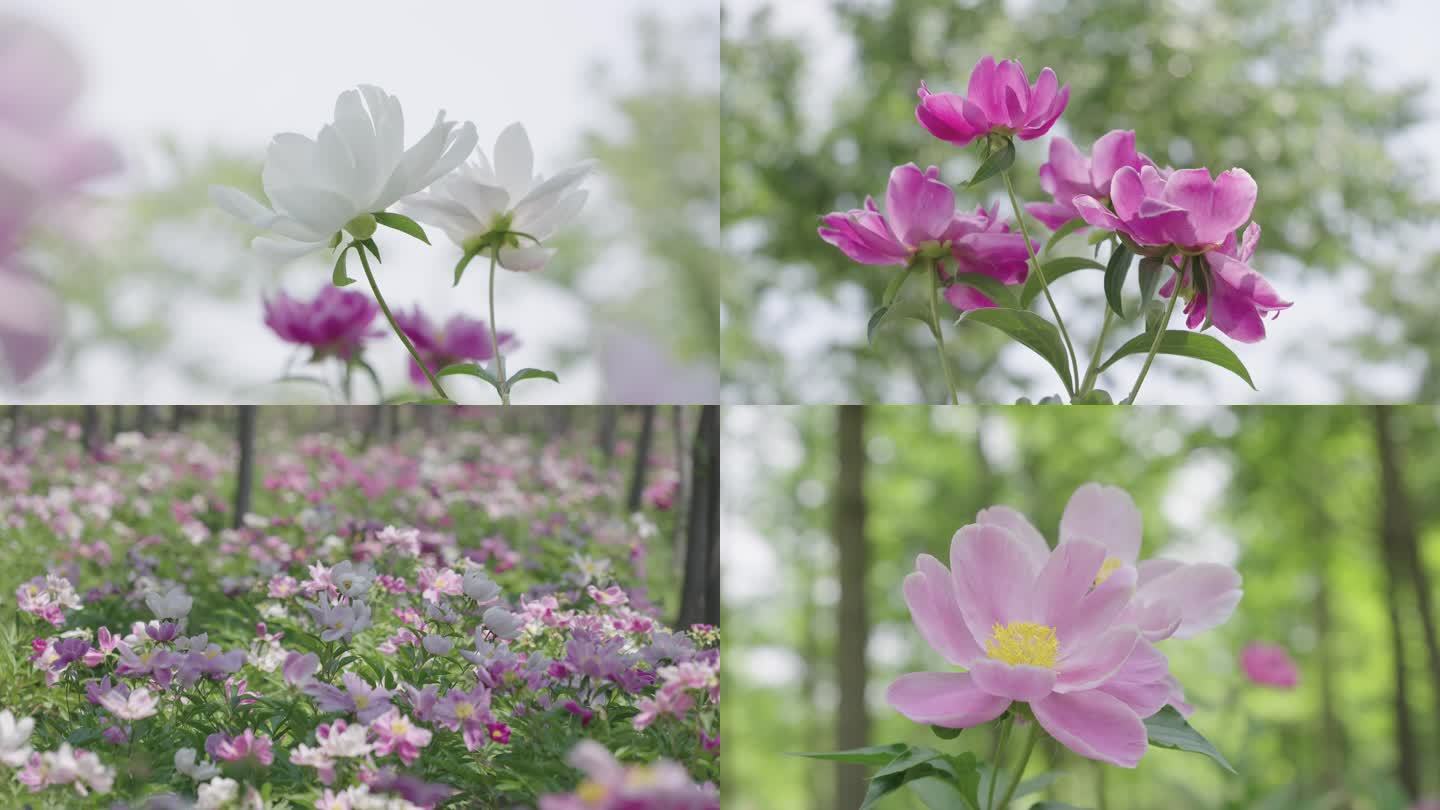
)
(406, 607)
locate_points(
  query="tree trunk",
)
(90, 429)
(145, 420)
(1395, 523)
(245, 472)
(17, 426)
(703, 526)
(852, 726)
(682, 494)
(605, 437)
(642, 457)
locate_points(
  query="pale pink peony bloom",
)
(1269, 665)
(1069, 173)
(1030, 625)
(609, 785)
(1000, 98)
(129, 704)
(246, 745)
(397, 734)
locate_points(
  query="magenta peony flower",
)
(609, 785)
(461, 339)
(1269, 665)
(336, 323)
(1070, 173)
(920, 221)
(1000, 99)
(1237, 298)
(247, 745)
(1029, 625)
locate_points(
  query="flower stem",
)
(1044, 285)
(939, 332)
(1000, 738)
(504, 385)
(1020, 768)
(1100, 801)
(1159, 334)
(1093, 371)
(400, 333)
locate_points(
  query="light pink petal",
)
(1021, 529)
(1156, 621)
(1205, 594)
(1107, 515)
(1090, 665)
(1097, 610)
(930, 593)
(993, 577)
(948, 699)
(1021, 683)
(1143, 683)
(1112, 152)
(917, 206)
(1154, 568)
(31, 320)
(1068, 163)
(1067, 576)
(1094, 725)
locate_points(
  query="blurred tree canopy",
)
(1218, 83)
(1296, 498)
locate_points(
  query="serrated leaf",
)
(1116, 271)
(876, 318)
(338, 276)
(998, 162)
(532, 374)
(403, 224)
(1182, 343)
(1054, 269)
(1168, 729)
(870, 755)
(1033, 332)
(993, 289)
(1065, 229)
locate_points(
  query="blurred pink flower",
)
(1029, 625)
(334, 323)
(609, 785)
(1000, 98)
(461, 339)
(1269, 665)
(1070, 173)
(397, 734)
(246, 745)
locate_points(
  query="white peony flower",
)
(502, 622)
(356, 168)
(479, 587)
(173, 604)
(15, 738)
(216, 793)
(351, 579)
(481, 206)
(186, 763)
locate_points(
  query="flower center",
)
(591, 792)
(1109, 567)
(464, 710)
(1023, 644)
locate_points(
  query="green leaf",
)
(1063, 231)
(532, 374)
(471, 370)
(945, 733)
(1031, 331)
(1168, 729)
(1116, 270)
(938, 794)
(993, 289)
(1055, 268)
(1035, 784)
(1183, 343)
(993, 165)
(418, 399)
(893, 288)
(374, 248)
(463, 263)
(1054, 806)
(339, 277)
(1149, 273)
(403, 224)
(910, 759)
(872, 755)
(876, 318)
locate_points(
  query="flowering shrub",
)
(1059, 641)
(465, 621)
(1181, 223)
(336, 190)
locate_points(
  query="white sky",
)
(236, 73)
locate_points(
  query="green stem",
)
(504, 385)
(1159, 334)
(1044, 285)
(1000, 738)
(395, 327)
(1100, 801)
(1024, 760)
(1093, 371)
(940, 332)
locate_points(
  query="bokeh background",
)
(1325, 512)
(1326, 102)
(162, 299)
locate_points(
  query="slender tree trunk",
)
(642, 457)
(374, 416)
(1332, 740)
(852, 725)
(90, 429)
(245, 472)
(17, 426)
(682, 495)
(145, 420)
(605, 437)
(1395, 523)
(697, 592)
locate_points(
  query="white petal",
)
(525, 259)
(546, 194)
(321, 210)
(482, 201)
(289, 161)
(548, 222)
(237, 203)
(280, 250)
(356, 128)
(335, 164)
(514, 160)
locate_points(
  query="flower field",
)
(457, 613)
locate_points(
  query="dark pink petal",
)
(1002, 256)
(1014, 108)
(930, 594)
(1095, 213)
(948, 699)
(1232, 201)
(1107, 515)
(1042, 97)
(860, 243)
(1238, 298)
(1127, 192)
(1020, 683)
(977, 117)
(982, 90)
(965, 298)
(1249, 242)
(993, 577)
(1021, 529)
(941, 114)
(1051, 215)
(918, 207)
(1035, 130)
(1096, 661)
(1094, 725)
(1068, 163)
(1112, 152)
(1066, 577)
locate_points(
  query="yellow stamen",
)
(1110, 566)
(591, 792)
(1024, 644)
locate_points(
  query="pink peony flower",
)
(336, 323)
(609, 785)
(461, 339)
(1237, 298)
(1000, 98)
(982, 243)
(1269, 665)
(247, 745)
(1029, 625)
(1070, 173)
(397, 734)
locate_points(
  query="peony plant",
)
(1055, 641)
(1181, 224)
